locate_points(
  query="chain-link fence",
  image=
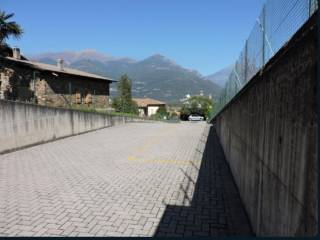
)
(278, 21)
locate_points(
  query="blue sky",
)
(205, 35)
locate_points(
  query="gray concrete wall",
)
(24, 124)
(268, 133)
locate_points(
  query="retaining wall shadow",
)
(215, 209)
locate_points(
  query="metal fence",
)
(278, 21)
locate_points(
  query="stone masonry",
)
(21, 82)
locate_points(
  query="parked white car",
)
(194, 117)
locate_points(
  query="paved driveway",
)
(139, 179)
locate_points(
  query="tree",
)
(123, 102)
(204, 104)
(173, 115)
(201, 105)
(8, 28)
(184, 112)
(161, 113)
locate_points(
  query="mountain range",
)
(221, 76)
(156, 76)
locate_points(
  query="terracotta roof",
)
(144, 102)
(54, 68)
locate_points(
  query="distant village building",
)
(186, 98)
(148, 106)
(44, 84)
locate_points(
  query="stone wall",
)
(268, 133)
(15, 83)
(22, 83)
(25, 124)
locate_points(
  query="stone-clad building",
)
(50, 85)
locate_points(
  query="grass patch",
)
(104, 111)
(121, 114)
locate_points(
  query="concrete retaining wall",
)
(268, 133)
(24, 124)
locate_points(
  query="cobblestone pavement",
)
(139, 179)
